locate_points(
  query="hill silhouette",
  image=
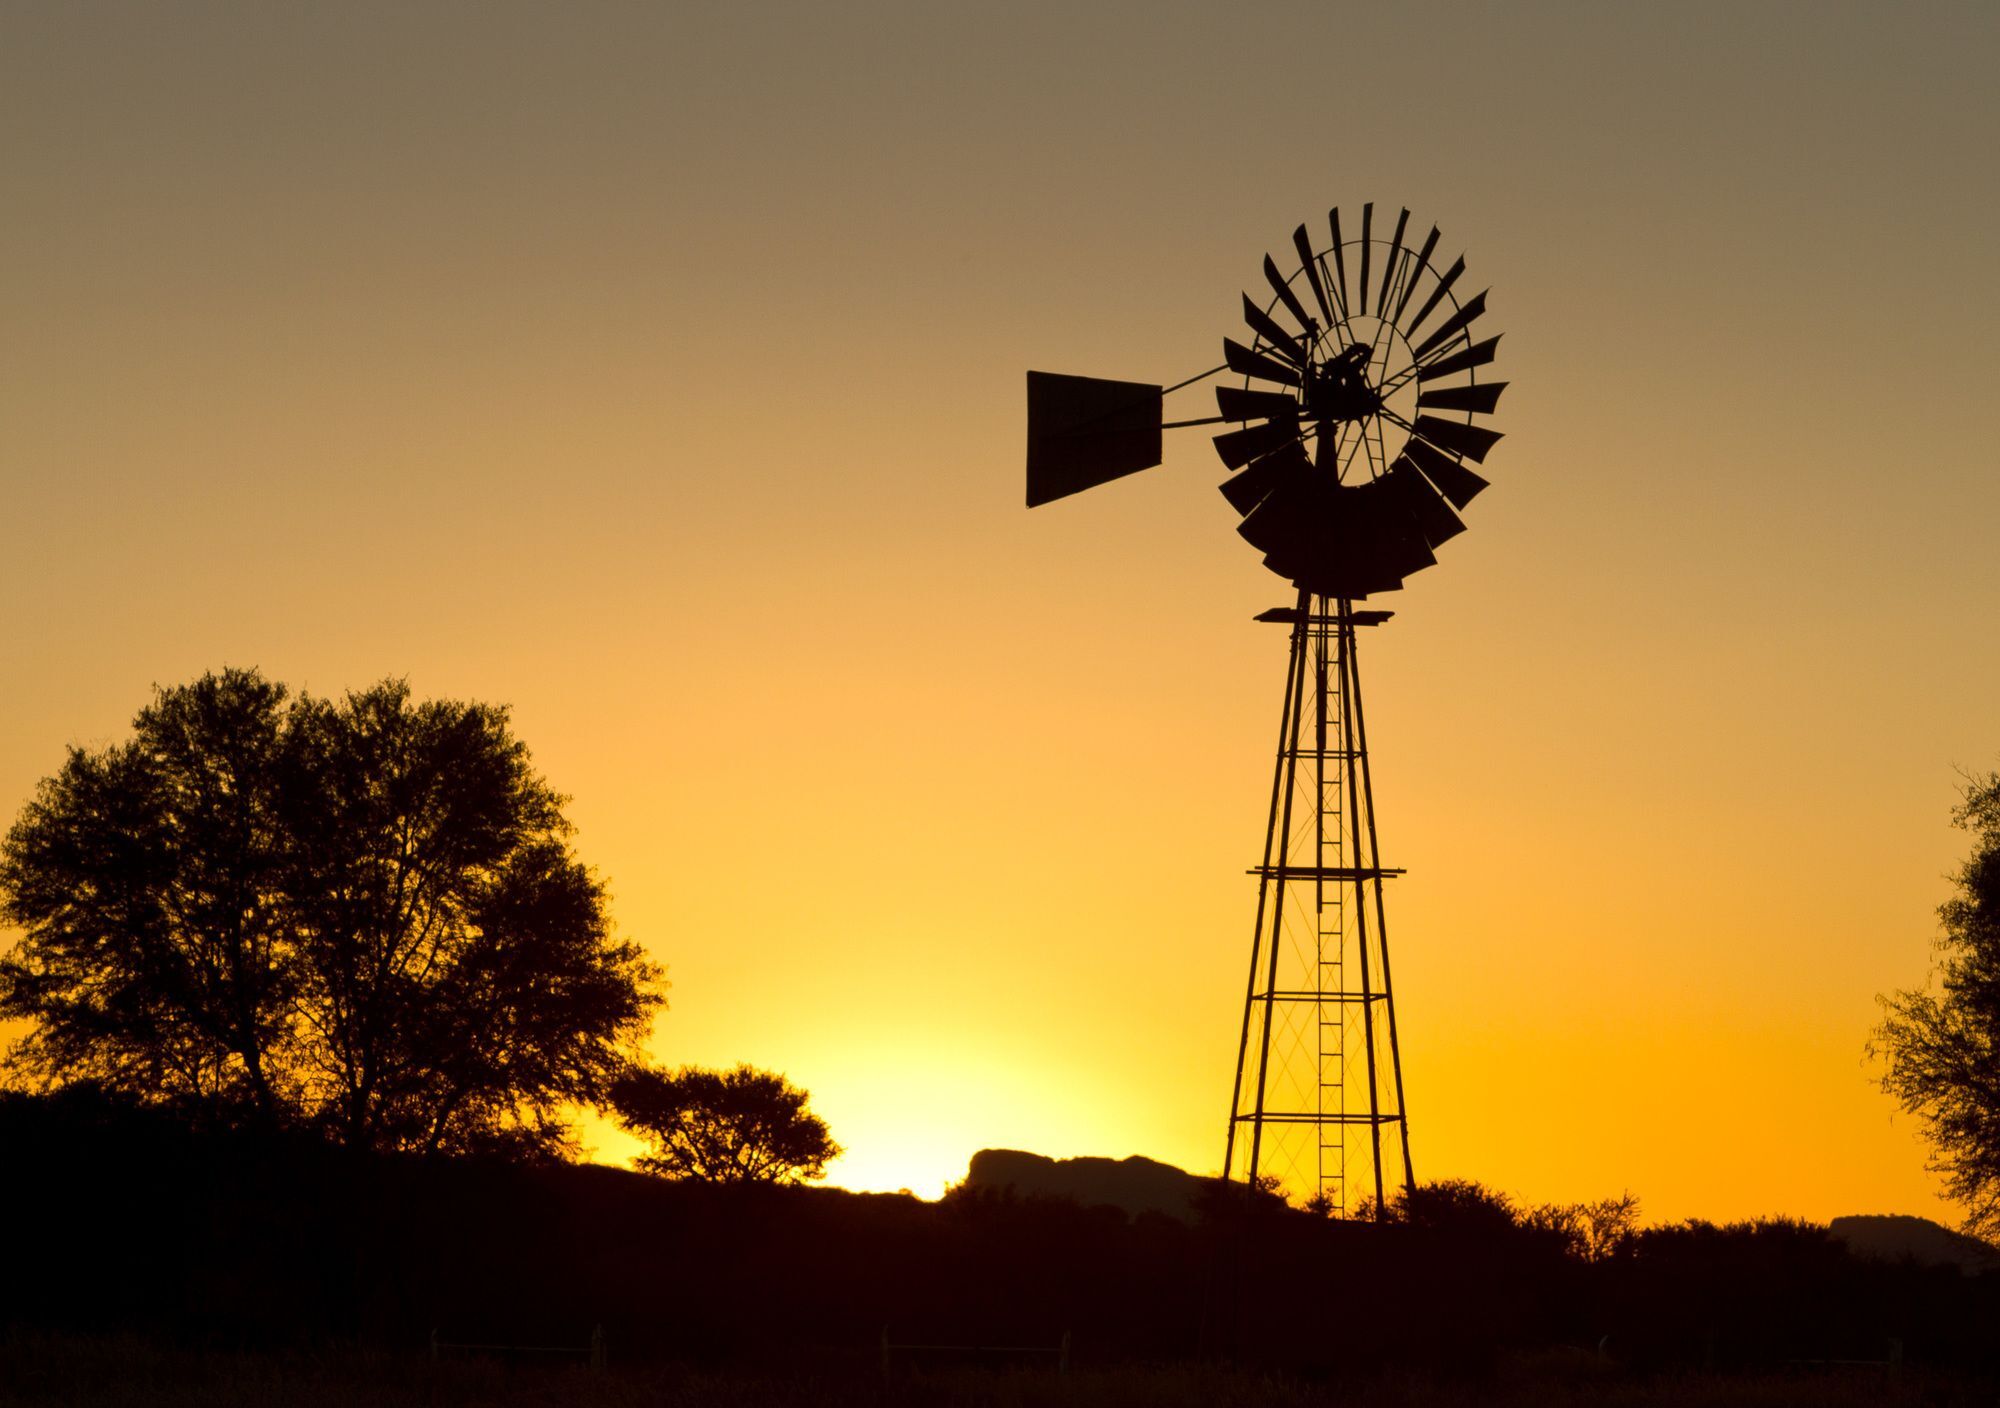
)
(1893, 1238)
(1133, 1185)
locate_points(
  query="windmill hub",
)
(1338, 390)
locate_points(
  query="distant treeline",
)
(122, 1218)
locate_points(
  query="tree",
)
(1590, 1232)
(145, 876)
(740, 1126)
(360, 916)
(1459, 1205)
(1941, 1045)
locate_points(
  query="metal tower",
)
(1317, 1105)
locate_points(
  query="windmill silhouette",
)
(1355, 418)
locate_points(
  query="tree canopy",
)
(1941, 1044)
(740, 1126)
(360, 916)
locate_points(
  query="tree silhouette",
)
(1589, 1232)
(360, 916)
(740, 1126)
(1459, 1205)
(146, 877)
(1941, 1044)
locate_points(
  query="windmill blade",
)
(1444, 287)
(1358, 544)
(1389, 265)
(1406, 484)
(1470, 441)
(1453, 325)
(1289, 567)
(1275, 523)
(1241, 359)
(1284, 520)
(1339, 261)
(1286, 296)
(1479, 399)
(1475, 356)
(1310, 263)
(1386, 575)
(1283, 343)
(1246, 488)
(1423, 262)
(1084, 431)
(1374, 513)
(1324, 568)
(1239, 447)
(1405, 551)
(1367, 243)
(1240, 403)
(1453, 479)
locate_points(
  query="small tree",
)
(740, 1126)
(1941, 1045)
(1459, 1205)
(1590, 1232)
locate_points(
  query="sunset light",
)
(653, 374)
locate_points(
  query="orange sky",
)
(658, 370)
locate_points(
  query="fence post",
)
(1062, 1359)
(596, 1349)
(1895, 1357)
(434, 1344)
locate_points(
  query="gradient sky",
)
(657, 370)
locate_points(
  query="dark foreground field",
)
(94, 1372)
(147, 1262)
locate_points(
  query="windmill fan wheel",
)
(1361, 383)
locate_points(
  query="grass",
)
(83, 1372)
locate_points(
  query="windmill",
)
(1355, 404)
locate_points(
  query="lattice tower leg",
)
(1317, 1111)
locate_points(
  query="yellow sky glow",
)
(658, 371)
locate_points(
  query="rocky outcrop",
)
(1135, 1185)
(1917, 1238)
